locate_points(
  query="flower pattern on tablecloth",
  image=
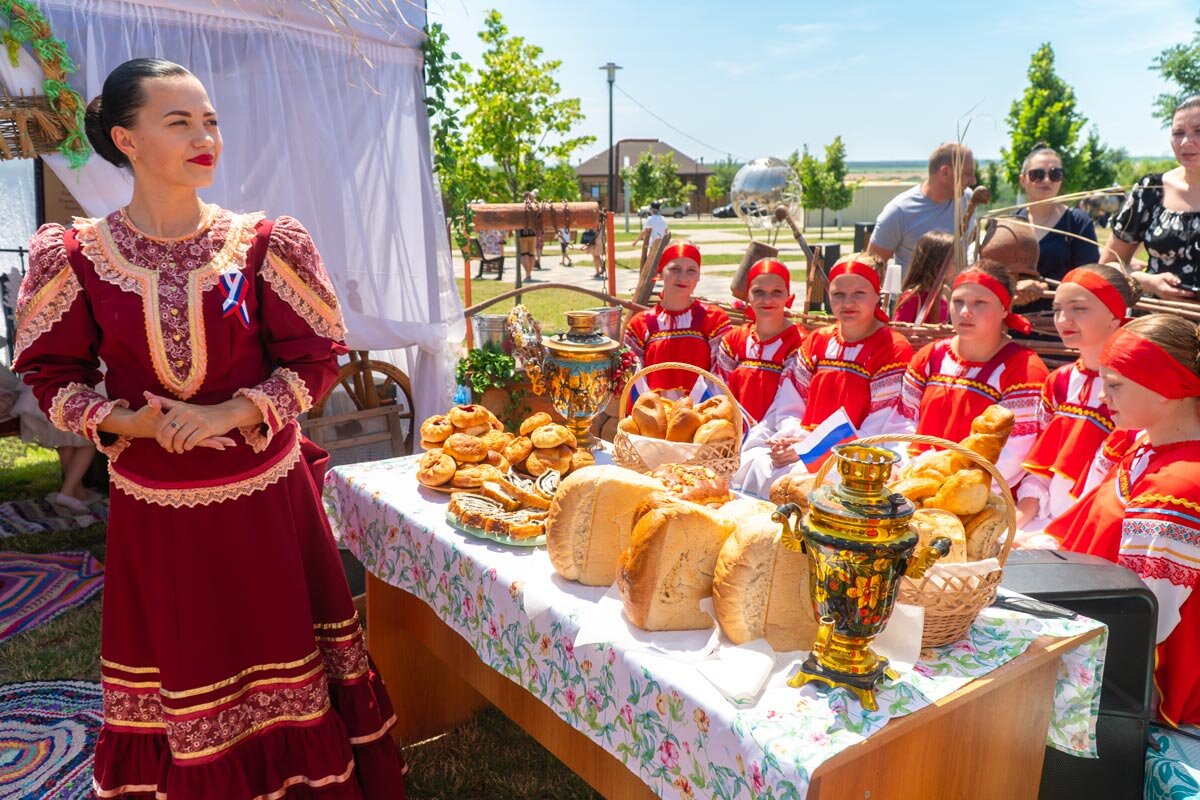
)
(670, 727)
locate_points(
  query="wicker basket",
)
(951, 604)
(723, 458)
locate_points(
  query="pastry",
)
(793, 488)
(543, 459)
(996, 420)
(496, 441)
(761, 589)
(715, 408)
(436, 429)
(986, 530)
(683, 423)
(964, 493)
(435, 468)
(987, 445)
(518, 450)
(650, 414)
(929, 523)
(581, 459)
(552, 436)
(591, 519)
(534, 422)
(916, 489)
(473, 477)
(695, 483)
(713, 431)
(668, 568)
(431, 445)
(629, 425)
(465, 449)
(474, 430)
(469, 417)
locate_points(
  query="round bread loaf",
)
(715, 408)
(929, 523)
(591, 519)
(715, 430)
(650, 414)
(986, 529)
(465, 449)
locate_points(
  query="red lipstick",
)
(204, 160)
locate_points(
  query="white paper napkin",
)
(941, 570)
(656, 452)
(606, 622)
(740, 671)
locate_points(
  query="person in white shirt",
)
(654, 227)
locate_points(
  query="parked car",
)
(750, 209)
(724, 212)
(667, 210)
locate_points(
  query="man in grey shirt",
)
(926, 207)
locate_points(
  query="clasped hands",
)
(180, 426)
(782, 453)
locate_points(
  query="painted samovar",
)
(575, 370)
(859, 545)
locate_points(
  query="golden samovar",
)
(576, 370)
(859, 545)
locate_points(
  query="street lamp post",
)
(611, 69)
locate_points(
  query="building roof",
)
(597, 165)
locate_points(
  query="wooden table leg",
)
(429, 696)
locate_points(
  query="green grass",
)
(548, 306)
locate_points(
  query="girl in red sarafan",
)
(1146, 513)
(752, 356)
(1091, 303)
(856, 364)
(232, 659)
(951, 381)
(680, 327)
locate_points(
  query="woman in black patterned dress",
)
(1163, 213)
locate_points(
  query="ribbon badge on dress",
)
(233, 284)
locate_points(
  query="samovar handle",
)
(919, 562)
(792, 540)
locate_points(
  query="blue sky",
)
(893, 79)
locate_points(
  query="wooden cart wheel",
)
(359, 380)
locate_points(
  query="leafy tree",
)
(720, 182)
(655, 177)
(991, 179)
(558, 182)
(440, 74)
(824, 184)
(1046, 113)
(1179, 63)
(513, 112)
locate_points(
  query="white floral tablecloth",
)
(656, 713)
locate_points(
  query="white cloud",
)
(736, 68)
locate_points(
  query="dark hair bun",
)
(99, 135)
(117, 105)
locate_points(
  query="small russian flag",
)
(819, 444)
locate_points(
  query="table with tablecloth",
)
(655, 711)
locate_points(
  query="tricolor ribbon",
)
(233, 284)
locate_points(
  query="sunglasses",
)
(1054, 173)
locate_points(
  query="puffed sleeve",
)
(57, 342)
(635, 337)
(1134, 219)
(1021, 390)
(718, 324)
(302, 330)
(725, 360)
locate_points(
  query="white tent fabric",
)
(322, 125)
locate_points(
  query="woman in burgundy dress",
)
(233, 662)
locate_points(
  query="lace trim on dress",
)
(172, 293)
(68, 407)
(281, 398)
(47, 291)
(190, 497)
(294, 270)
(96, 413)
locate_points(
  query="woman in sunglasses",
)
(1060, 249)
(1162, 212)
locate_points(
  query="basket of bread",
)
(658, 430)
(952, 490)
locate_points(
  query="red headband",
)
(1147, 364)
(1014, 321)
(681, 250)
(1105, 292)
(769, 266)
(865, 272)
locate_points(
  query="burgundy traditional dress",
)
(1146, 516)
(1074, 424)
(233, 663)
(752, 368)
(943, 393)
(691, 336)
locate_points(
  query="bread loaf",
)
(964, 493)
(929, 523)
(985, 530)
(761, 589)
(591, 518)
(793, 488)
(668, 568)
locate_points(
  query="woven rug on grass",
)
(37, 588)
(48, 733)
(38, 515)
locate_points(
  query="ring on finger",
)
(173, 424)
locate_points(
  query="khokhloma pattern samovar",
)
(859, 545)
